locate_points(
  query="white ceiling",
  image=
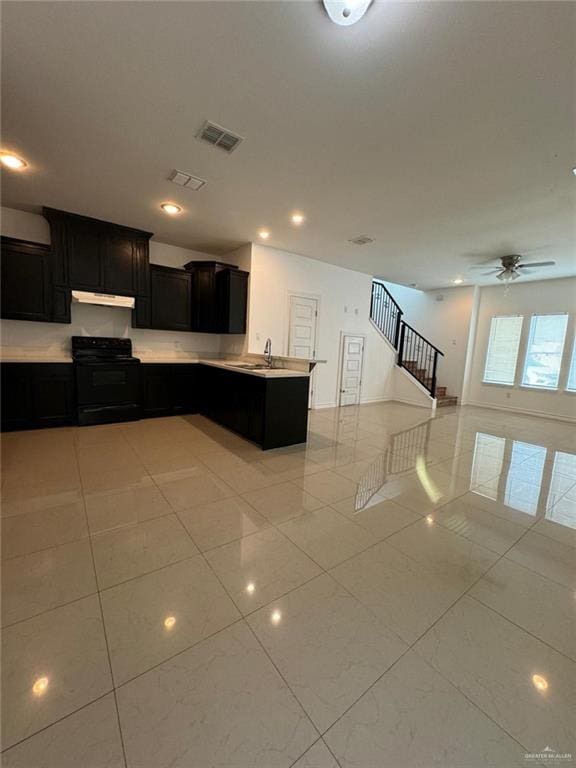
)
(443, 130)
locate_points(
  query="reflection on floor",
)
(398, 592)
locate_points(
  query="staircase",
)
(418, 356)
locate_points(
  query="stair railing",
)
(419, 357)
(385, 313)
(415, 353)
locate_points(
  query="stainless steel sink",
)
(255, 366)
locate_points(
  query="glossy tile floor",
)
(398, 592)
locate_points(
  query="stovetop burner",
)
(99, 349)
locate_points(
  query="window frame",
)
(520, 370)
(518, 353)
(571, 361)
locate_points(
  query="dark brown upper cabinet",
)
(26, 290)
(93, 255)
(170, 298)
(219, 297)
(232, 293)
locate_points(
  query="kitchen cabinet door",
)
(17, 395)
(156, 389)
(85, 252)
(171, 299)
(36, 395)
(94, 255)
(54, 394)
(219, 297)
(186, 388)
(26, 292)
(232, 300)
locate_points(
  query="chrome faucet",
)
(268, 353)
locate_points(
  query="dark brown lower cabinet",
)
(170, 388)
(269, 412)
(36, 395)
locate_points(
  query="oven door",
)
(108, 391)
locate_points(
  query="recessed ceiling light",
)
(297, 218)
(13, 162)
(263, 234)
(171, 209)
(574, 171)
(346, 12)
(458, 281)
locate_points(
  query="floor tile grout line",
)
(111, 671)
(52, 608)
(6, 559)
(524, 629)
(466, 594)
(412, 648)
(543, 576)
(55, 722)
(286, 683)
(471, 585)
(243, 619)
(318, 740)
(119, 685)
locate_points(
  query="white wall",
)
(89, 320)
(524, 299)
(442, 317)
(344, 305)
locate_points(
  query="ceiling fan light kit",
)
(511, 269)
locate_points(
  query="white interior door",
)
(302, 331)
(351, 372)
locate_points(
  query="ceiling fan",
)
(510, 267)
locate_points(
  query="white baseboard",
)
(418, 403)
(363, 401)
(525, 411)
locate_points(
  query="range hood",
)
(104, 299)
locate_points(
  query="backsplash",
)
(89, 320)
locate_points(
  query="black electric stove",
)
(107, 380)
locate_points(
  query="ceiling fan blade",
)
(491, 272)
(484, 266)
(530, 264)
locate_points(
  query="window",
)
(503, 349)
(487, 465)
(561, 482)
(571, 386)
(523, 483)
(544, 352)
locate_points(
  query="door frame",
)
(343, 335)
(290, 294)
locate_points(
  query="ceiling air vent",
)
(362, 240)
(184, 179)
(219, 137)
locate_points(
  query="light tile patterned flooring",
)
(398, 592)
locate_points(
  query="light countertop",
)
(272, 373)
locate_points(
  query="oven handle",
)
(94, 364)
(101, 408)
